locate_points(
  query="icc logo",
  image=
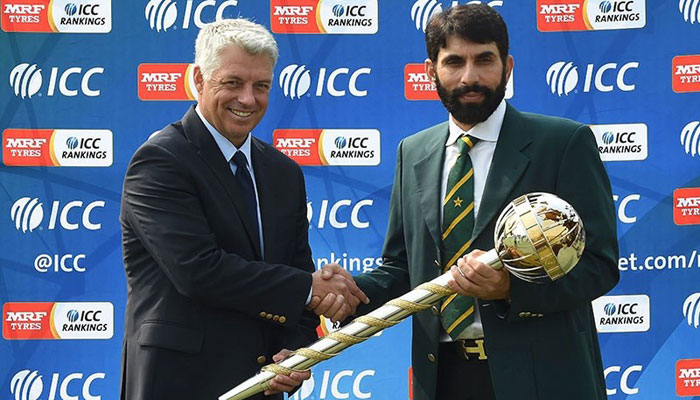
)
(621, 6)
(162, 14)
(610, 309)
(562, 77)
(73, 315)
(295, 81)
(28, 213)
(423, 10)
(29, 385)
(84, 9)
(26, 81)
(690, 137)
(340, 142)
(690, 10)
(72, 142)
(691, 309)
(608, 137)
(334, 384)
(71, 9)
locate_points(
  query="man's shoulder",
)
(549, 125)
(170, 141)
(426, 136)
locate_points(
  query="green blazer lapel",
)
(507, 166)
(428, 172)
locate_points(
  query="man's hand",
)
(335, 294)
(476, 279)
(282, 383)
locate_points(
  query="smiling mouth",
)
(241, 114)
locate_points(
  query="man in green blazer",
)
(524, 341)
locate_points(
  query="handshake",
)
(335, 294)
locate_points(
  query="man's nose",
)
(246, 95)
(470, 75)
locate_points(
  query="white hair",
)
(216, 36)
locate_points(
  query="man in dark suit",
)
(501, 338)
(215, 237)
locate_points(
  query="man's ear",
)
(509, 67)
(430, 69)
(198, 79)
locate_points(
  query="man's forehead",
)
(456, 44)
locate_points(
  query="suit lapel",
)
(210, 153)
(261, 166)
(428, 172)
(507, 166)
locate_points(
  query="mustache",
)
(475, 88)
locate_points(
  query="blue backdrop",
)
(85, 82)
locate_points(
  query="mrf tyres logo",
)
(686, 206)
(166, 82)
(688, 377)
(327, 16)
(583, 15)
(347, 147)
(622, 313)
(77, 16)
(23, 321)
(686, 74)
(57, 147)
(621, 142)
(563, 78)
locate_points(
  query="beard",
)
(472, 113)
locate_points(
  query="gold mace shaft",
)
(360, 329)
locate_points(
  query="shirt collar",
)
(485, 131)
(227, 148)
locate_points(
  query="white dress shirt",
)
(228, 150)
(481, 156)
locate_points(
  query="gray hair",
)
(216, 36)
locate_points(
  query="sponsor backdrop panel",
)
(85, 82)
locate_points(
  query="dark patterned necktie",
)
(457, 312)
(246, 183)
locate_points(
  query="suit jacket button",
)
(435, 310)
(276, 318)
(431, 357)
(268, 316)
(521, 314)
(261, 360)
(263, 314)
(283, 319)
